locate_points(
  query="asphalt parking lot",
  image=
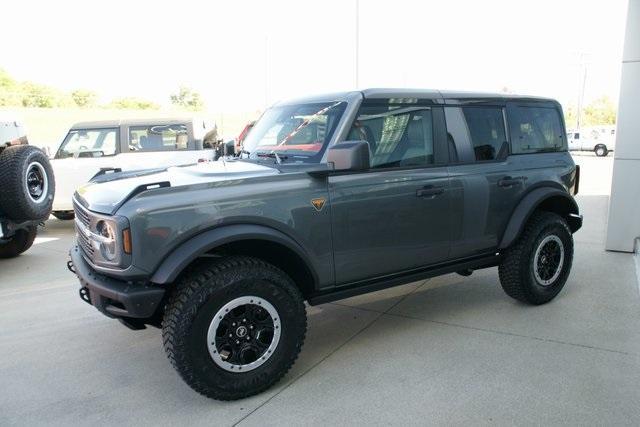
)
(449, 350)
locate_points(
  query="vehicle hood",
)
(107, 193)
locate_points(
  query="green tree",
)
(9, 90)
(601, 111)
(187, 98)
(43, 96)
(84, 98)
(131, 103)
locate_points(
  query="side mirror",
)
(349, 155)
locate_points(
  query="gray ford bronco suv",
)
(331, 196)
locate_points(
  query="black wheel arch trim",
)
(529, 203)
(188, 251)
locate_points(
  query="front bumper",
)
(114, 298)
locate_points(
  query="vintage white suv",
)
(93, 148)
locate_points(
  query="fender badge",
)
(318, 203)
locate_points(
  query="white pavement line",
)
(40, 240)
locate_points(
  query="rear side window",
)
(158, 138)
(476, 134)
(398, 135)
(487, 132)
(537, 129)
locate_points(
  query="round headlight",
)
(108, 245)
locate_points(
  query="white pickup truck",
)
(92, 148)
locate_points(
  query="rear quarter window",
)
(536, 130)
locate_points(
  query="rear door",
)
(485, 184)
(538, 143)
(393, 217)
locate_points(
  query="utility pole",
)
(583, 63)
(357, 48)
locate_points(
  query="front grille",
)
(81, 214)
(82, 217)
(84, 242)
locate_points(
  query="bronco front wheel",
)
(234, 327)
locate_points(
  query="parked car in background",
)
(27, 188)
(600, 140)
(92, 148)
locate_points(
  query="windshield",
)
(297, 133)
(89, 143)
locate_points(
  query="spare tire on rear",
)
(27, 185)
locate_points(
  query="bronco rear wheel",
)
(535, 269)
(234, 327)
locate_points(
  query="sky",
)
(245, 55)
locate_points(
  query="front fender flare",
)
(528, 205)
(188, 251)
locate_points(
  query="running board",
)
(376, 284)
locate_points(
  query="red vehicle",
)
(243, 135)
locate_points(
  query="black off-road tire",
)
(516, 270)
(18, 243)
(204, 290)
(16, 201)
(601, 150)
(64, 215)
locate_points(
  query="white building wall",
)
(624, 205)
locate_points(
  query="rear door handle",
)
(429, 191)
(508, 181)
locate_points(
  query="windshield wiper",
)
(273, 155)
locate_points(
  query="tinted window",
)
(158, 138)
(398, 135)
(538, 129)
(486, 130)
(89, 143)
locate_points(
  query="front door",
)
(395, 216)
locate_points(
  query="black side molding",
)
(385, 282)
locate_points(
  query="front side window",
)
(89, 143)
(398, 135)
(158, 138)
(539, 130)
(487, 132)
(298, 133)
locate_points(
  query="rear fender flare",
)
(529, 204)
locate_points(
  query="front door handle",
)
(429, 191)
(508, 181)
